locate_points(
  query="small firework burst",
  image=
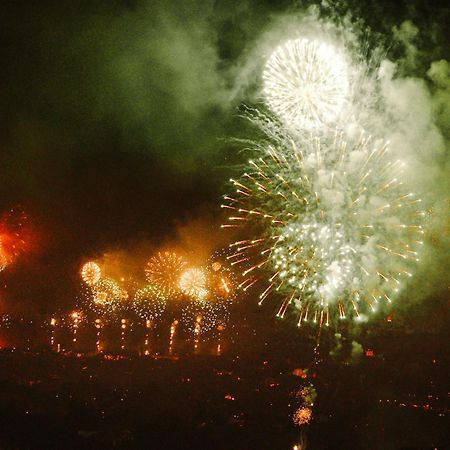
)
(164, 270)
(149, 303)
(91, 273)
(307, 394)
(302, 416)
(107, 298)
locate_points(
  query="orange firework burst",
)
(164, 271)
(91, 273)
(302, 416)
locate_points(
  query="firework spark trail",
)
(222, 280)
(173, 330)
(211, 291)
(338, 230)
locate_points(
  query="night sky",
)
(117, 119)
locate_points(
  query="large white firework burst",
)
(335, 230)
(306, 83)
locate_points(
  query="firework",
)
(193, 283)
(302, 416)
(307, 394)
(75, 318)
(222, 280)
(336, 230)
(149, 303)
(306, 83)
(98, 327)
(91, 273)
(164, 271)
(4, 260)
(211, 290)
(15, 236)
(107, 298)
(199, 317)
(173, 330)
(123, 327)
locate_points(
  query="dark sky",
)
(115, 115)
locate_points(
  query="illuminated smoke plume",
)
(333, 230)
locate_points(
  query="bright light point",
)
(306, 83)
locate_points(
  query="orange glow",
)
(299, 373)
(15, 236)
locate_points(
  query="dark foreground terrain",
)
(393, 397)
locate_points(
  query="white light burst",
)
(306, 83)
(335, 230)
(193, 283)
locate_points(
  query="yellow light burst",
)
(164, 270)
(91, 273)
